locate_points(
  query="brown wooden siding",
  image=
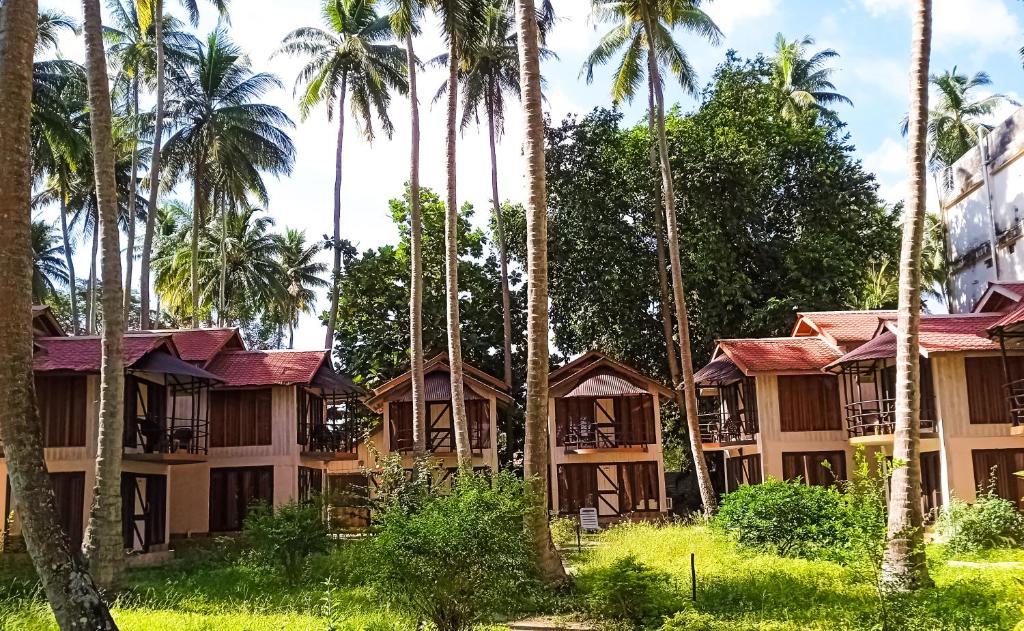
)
(809, 403)
(478, 413)
(634, 487)
(311, 483)
(233, 490)
(986, 397)
(62, 404)
(995, 468)
(240, 418)
(807, 465)
(400, 419)
(634, 418)
(743, 470)
(931, 481)
(143, 509)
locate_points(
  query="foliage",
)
(804, 79)
(991, 522)
(287, 536)
(49, 268)
(788, 518)
(459, 558)
(563, 531)
(629, 590)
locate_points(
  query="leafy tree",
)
(303, 274)
(49, 269)
(805, 79)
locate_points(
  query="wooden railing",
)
(877, 417)
(332, 438)
(727, 428)
(597, 436)
(1015, 397)
(169, 435)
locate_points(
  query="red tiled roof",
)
(1011, 320)
(82, 353)
(780, 354)
(845, 326)
(999, 296)
(267, 368)
(720, 371)
(938, 334)
(201, 345)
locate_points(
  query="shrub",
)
(991, 522)
(458, 558)
(563, 531)
(288, 536)
(787, 518)
(629, 590)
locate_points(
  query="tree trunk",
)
(700, 465)
(198, 200)
(419, 405)
(451, 262)
(291, 335)
(104, 544)
(154, 168)
(90, 297)
(73, 596)
(68, 258)
(129, 257)
(332, 317)
(499, 225)
(222, 293)
(535, 464)
(904, 566)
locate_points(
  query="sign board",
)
(588, 519)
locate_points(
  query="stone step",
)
(548, 624)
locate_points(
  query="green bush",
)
(288, 536)
(459, 558)
(991, 522)
(629, 590)
(787, 518)
(563, 531)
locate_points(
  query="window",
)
(234, 490)
(62, 409)
(986, 398)
(996, 467)
(240, 418)
(810, 467)
(311, 483)
(809, 403)
(743, 470)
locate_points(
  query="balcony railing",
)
(168, 436)
(332, 438)
(877, 417)
(727, 428)
(1015, 397)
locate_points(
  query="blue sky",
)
(872, 37)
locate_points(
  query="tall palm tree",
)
(303, 275)
(904, 566)
(73, 596)
(535, 464)
(158, 126)
(352, 54)
(49, 269)
(104, 543)
(644, 28)
(220, 133)
(804, 78)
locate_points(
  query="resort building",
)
(604, 433)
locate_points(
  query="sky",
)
(871, 36)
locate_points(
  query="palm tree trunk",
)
(451, 262)
(90, 305)
(904, 566)
(73, 596)
(291, 335)
(154, 168)
(129, 258)
(499, 224)
(198, 199)
(68, 258)
(700, 465)
(535, 464)
(222, 294)
(332, 317)
(419, 405)
(104, 545)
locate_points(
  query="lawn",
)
(736, 589)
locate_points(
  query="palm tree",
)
(220, 135)
(104, 543)
(535, 464)
(804, 78)
(955, 119)
(904, 566)
(644, 29)
(303, 275)
(73, 596)
(49, 269)
(49, 25)
(352, 54)
(158, 125)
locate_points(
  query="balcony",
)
(1015, 399)
(874, 421)
(168, 440)
(591, 437)
(727, 428)
(332, 441)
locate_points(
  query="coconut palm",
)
(303, 275)
(644, 28)
(221, 135)
(49, 25)
(49, 269)
(904, 566)
(351, 57)
(804, 78)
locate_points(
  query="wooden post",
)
(693, 576)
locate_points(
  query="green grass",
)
(737, 589)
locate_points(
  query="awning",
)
(437, 386)
(722, 371)
(605, 385)
(333, 383)
(882, 347)
(161, 362)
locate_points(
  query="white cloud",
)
(728, 14)
(888, 158)
(983, 24)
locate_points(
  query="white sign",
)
(588, 519)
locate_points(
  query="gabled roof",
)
(83, 353)
(475, 382)
(566, 378)
(267, 368)
(720, 371)
(44, 323)
(778, 354)
(841, 327)
(202, 345)
(1000, 296)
